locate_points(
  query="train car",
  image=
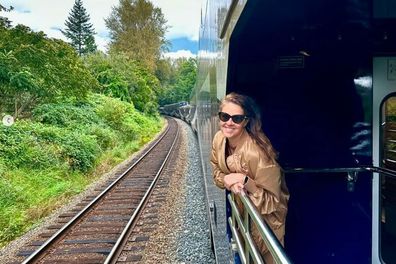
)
(324, 75)
(179, 109)
(182, 110)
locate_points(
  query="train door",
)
(384, 156)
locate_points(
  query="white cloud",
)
(180, 54)
(183, 16)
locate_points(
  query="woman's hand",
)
(234, 182)
(237, 188)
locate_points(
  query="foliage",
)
(123, 117)
(4, 21)
(70, 135)
(185, 78)
(51, 157)
(79, 30)
(65, 114)
(165, 72)
(126, 79)
(36, 146)
(35, 69)
(137, 28)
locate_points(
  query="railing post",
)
(241, 228)
(247, 228)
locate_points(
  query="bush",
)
(74, 136)
(65, 114)
(20, 147)
(33, 145)
(105, 136)
(10, 139)
(112, 111)
(80, 150)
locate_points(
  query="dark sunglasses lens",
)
(237, 119)
(224, 116)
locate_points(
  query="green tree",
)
(123, 78)
(4, 21)
(165, 72)
(79, 30)
(35, 69)
(185, 78)
(137, 28)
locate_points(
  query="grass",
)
(29, 195)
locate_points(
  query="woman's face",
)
(229, 128)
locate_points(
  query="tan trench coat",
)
(266, 186)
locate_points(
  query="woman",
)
(243, 159)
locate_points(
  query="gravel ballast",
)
(183, 235)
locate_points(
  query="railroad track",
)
(98, 232)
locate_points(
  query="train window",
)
(388, 184)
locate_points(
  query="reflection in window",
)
(388, 184)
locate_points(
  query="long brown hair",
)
(253, 126)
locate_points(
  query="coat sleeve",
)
(264, 184)
(218, 175)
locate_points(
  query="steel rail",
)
(117, 248)
(37, 253)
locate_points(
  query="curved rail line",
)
(136, 183)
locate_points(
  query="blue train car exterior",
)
(324, 75)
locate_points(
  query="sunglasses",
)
(237, 119)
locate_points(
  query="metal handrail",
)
(387, 172)
(324, 170)
(240, 227)
(249, 250)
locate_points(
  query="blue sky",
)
(183, 18)
(184, 43)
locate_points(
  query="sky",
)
(183, 18)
